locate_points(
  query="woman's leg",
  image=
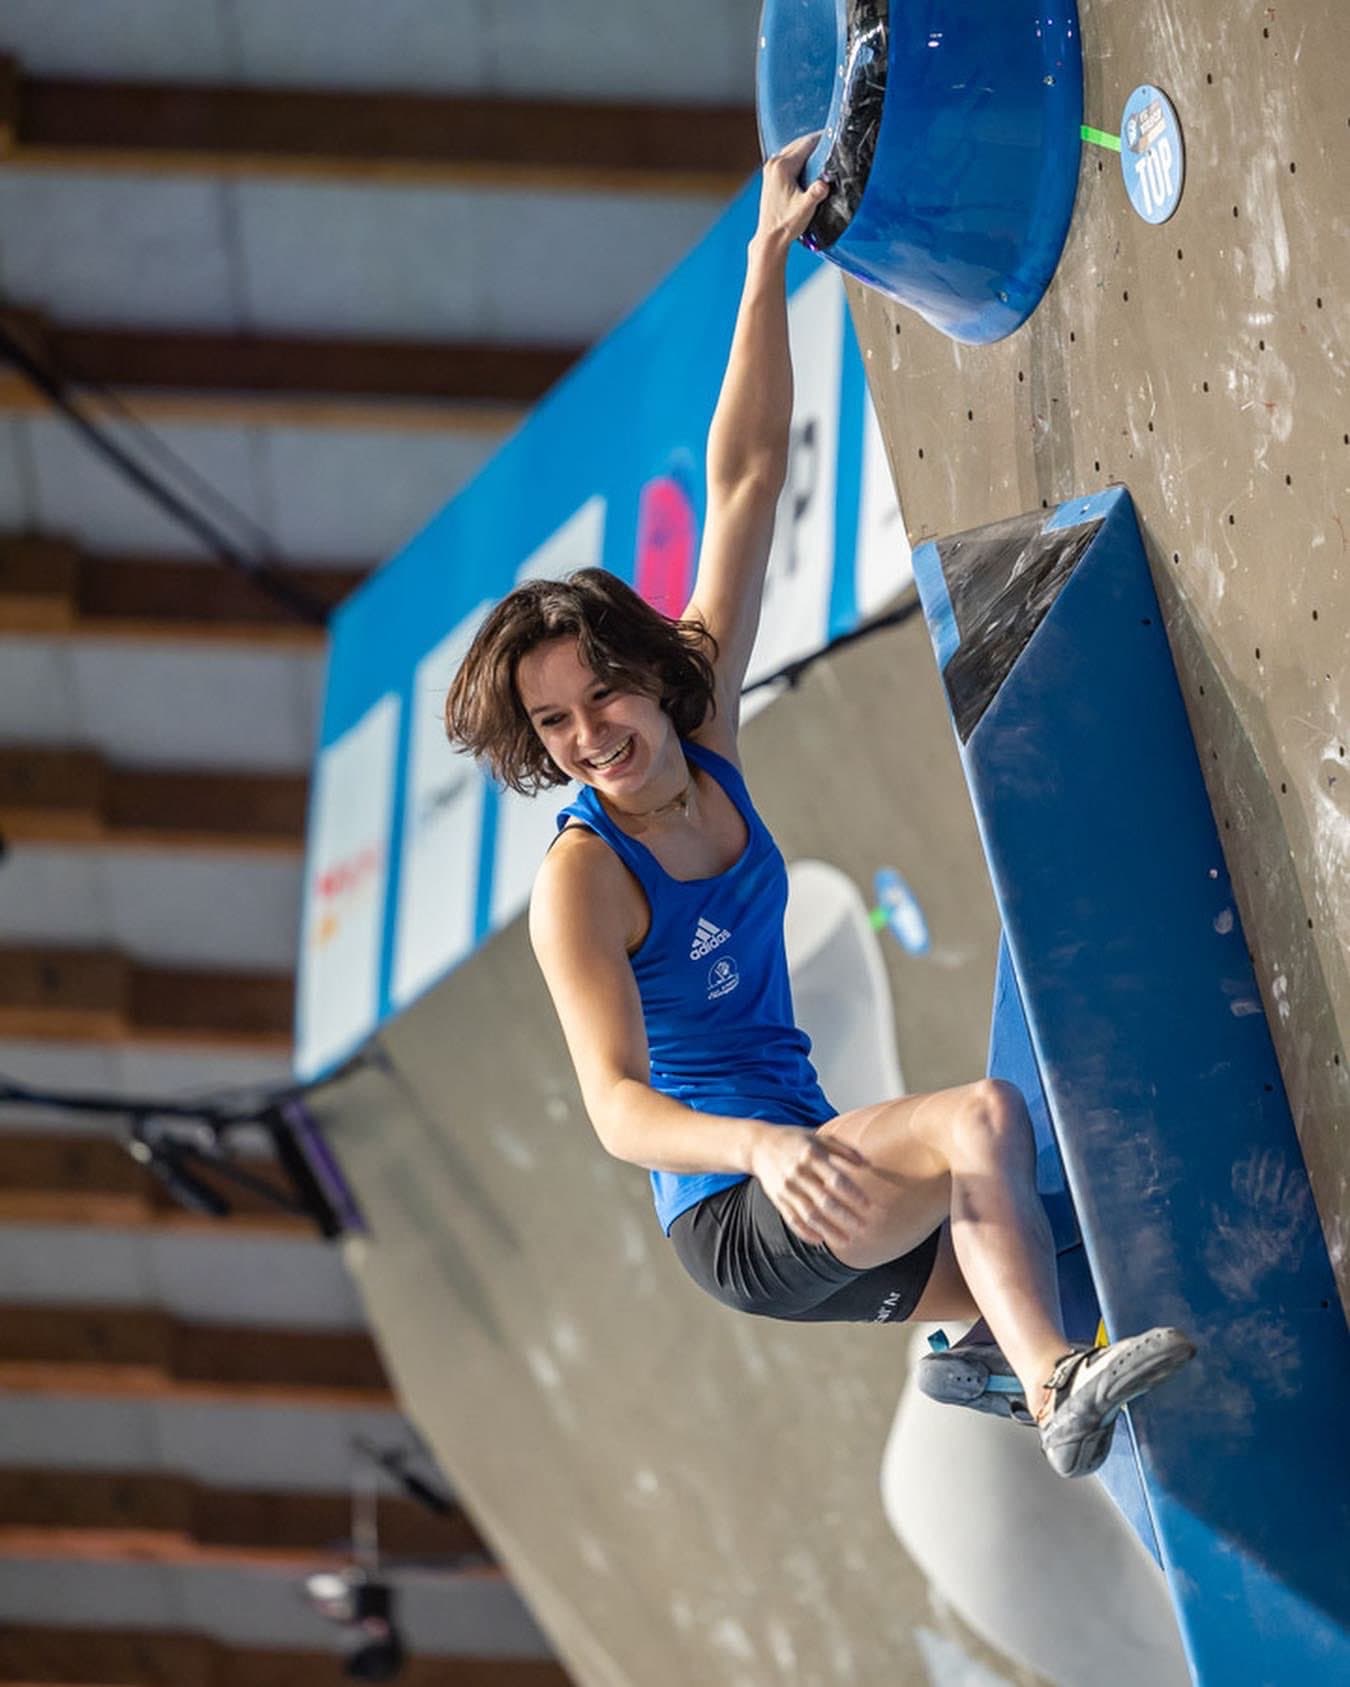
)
(969, 1155)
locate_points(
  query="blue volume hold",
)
(951, 135)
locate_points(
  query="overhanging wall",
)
(1204, 363)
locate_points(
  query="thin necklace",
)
(681, 801)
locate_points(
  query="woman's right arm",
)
(581, 915)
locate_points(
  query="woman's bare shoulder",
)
(581, 882)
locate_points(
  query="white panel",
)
(16, 507)
(526, 826)
(885, 565)
(442, 828)
(603, 254)
(176, 908)
(797, 588)
(135, 39)
(436, 1614)
(82, 495)
(411, 262)
(281, 1448)
(160, 705)
(115, 249)
(354, 258)
(37, 691)
(158, 1072)
(359, 497)
(416, 45)
(225, 1277)
(578, 543)
(291, 1448)
(346, 880)
(205, 910)
(698, 51)
(701, 50)
(53, 896)
(155, 1073)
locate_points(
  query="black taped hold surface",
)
(849, 163)
(1002, 580)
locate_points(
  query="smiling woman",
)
(619, 643)
(658, 921)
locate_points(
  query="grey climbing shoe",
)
(974, 1373)
(1089, 1385)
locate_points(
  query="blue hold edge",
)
(951, 135)
(1128, 1013)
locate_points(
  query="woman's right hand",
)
(805, 1174)
(785, 206)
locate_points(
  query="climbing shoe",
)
(974, 1373)
(1089, 1385)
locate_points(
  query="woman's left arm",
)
(749, 437)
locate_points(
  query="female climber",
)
(657, 919)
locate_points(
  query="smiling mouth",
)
(617, 758)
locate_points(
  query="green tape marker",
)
(1099, 137)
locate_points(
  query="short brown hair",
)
(621, 638)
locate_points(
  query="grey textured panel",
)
(149, 704)
(108, 1070)
(16, 502)
(82, 495)
(703, 50)
(115, 248)
(319, 495)
(176, 908)
(278, 1448)
(225, 1277)
(435, 1615)
(411, 261)
(338, 496)
(37, 691)
(1205, 364)
(130, 38)
(636, 239)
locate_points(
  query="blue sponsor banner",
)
(406, 838)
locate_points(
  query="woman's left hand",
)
(785, 206)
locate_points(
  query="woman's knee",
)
(990, 1119)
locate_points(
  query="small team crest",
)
(723, 977)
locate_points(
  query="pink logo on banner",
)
(666, 542)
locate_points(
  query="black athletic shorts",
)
(737, 1246)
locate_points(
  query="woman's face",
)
(613, 740)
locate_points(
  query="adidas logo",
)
(707, 938)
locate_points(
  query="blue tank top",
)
(713, 980)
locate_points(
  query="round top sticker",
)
(1152, 156)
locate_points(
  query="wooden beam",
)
(273, 380)
(51, 1177)
(99, 1657)
(143, 1353)
(76, 797)
(49, 585)
(98, 995)
(460, 139)
(93, 1516)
